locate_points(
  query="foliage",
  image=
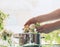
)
(53, 36)
(6, 34)
(2, 17)
(6, 37)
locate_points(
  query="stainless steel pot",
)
(29, 39)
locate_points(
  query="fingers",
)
(31, 21)
(42, 29)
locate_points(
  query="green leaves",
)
(53, 36)
(2, 17)
(1, 26)
(6, 34)
(47, 37)
(37, 24)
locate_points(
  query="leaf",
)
(2, 17)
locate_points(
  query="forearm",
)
(51, 16)
(50, 27)
(55, 25)
(43, 18)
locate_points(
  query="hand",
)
(31, 21)
(42, 18)
(49, 27)
(47, 17)
(44, 29)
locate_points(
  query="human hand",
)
(31, 21)
(48, 27)
(46, 17)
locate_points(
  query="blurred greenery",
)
(54, 45)
(53, 36)
(2, 17)
(50, 37)
(3, 46)
(37, 24)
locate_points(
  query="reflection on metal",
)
(31, 39)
